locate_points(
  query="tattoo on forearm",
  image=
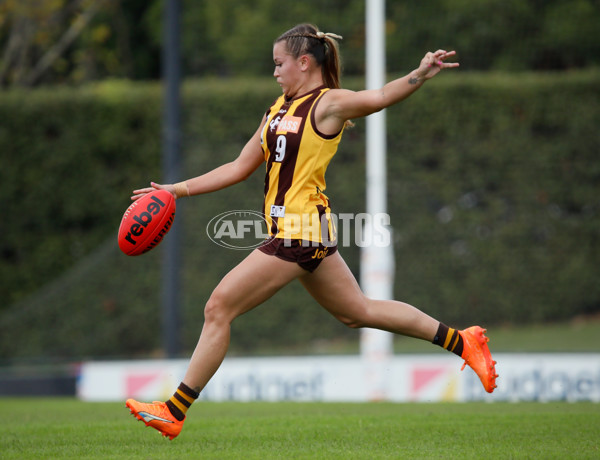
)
(413, 80)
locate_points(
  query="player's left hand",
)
(432, 63)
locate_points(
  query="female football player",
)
(296, 139)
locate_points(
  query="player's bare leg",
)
(335, 288)
(333, 285)
(253, 281)
(250, 283)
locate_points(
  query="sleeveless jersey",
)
(297, 156)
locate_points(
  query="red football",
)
(146, 222)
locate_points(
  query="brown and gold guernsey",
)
(297, 156)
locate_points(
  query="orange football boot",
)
(477, 355)
(157, 415)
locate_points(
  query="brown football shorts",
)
(307, 254)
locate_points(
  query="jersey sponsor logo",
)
(320, 253)
(289, 124)
(277, 211)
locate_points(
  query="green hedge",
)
(493, 195)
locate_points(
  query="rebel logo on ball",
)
(143, 219)
(146, 222)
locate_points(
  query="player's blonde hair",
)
(308, 39)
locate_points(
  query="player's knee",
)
(215, 310)
(351, 322)
(355, 321)
(356, 315)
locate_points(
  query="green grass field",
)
(67, 428)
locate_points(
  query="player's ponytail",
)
(308, 39)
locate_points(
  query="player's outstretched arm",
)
(250, 158)
(347, 105)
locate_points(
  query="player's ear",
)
(304, 61)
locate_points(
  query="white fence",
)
(430, 377)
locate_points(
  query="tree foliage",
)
(54, 41)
